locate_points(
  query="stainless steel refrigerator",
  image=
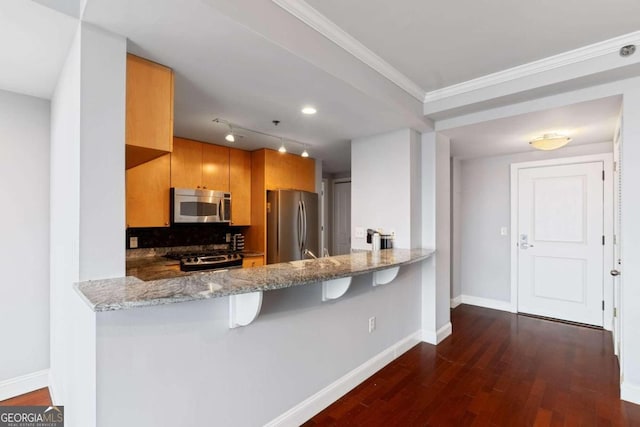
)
(292, 225)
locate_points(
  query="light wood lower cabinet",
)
(252, 261)
(148, 193)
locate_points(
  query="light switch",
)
(360, 232)
(503, 231)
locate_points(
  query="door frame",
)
(607, 163)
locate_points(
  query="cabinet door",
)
(186, 164)
(149, 109)
(289, 171)
(304, 174)
(252, 261)
(240, 186)
(148, 193)
(215, 167)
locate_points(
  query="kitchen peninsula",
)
(131, 292)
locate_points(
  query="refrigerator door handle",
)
(304, 226)
(300, 240)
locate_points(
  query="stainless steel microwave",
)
(189, 205)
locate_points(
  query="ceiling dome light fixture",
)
(309, 110)
(550, 141)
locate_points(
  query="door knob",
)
(615, 273)
(524, 242)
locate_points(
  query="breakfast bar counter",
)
(131, 292)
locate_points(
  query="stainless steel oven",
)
(189, 205)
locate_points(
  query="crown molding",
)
(585, 53)
(314, 19)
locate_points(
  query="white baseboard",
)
(438, 336)
(313, 405)
(487, 303)
(456, 301)
(24, 384)
(630, 393)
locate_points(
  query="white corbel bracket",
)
(383, 277)
(334, 289)
(244, 308)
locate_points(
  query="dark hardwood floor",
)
(497, 369)
(35, 398)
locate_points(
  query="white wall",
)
(24, 231)
(484, 267)
(383, 180)
(436, 233)
(87, 208)
(400, 181)
(180, 364)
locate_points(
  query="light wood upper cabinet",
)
(149, 110)
(215, 167)
(197, 164)
(148, 193)
(240, 186)
(186, 163)
(289, 171)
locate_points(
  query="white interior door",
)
(341, 217)
(617, 256)
(560, 242)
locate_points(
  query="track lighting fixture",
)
(231, 136)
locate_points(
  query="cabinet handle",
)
(204, 186)
(166, 223)
(198, 186)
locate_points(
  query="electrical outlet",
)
(133, 242)
(503, 231)
(372, 324)
(228, 237)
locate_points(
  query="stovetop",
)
(210, 260)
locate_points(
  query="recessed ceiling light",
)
(309, 110)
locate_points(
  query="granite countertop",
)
(131, 292)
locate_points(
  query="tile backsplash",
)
(181, 235)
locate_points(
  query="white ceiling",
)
(34, 41)
(253, 62)
(586, 123)
(225, 70)
(441, 43)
